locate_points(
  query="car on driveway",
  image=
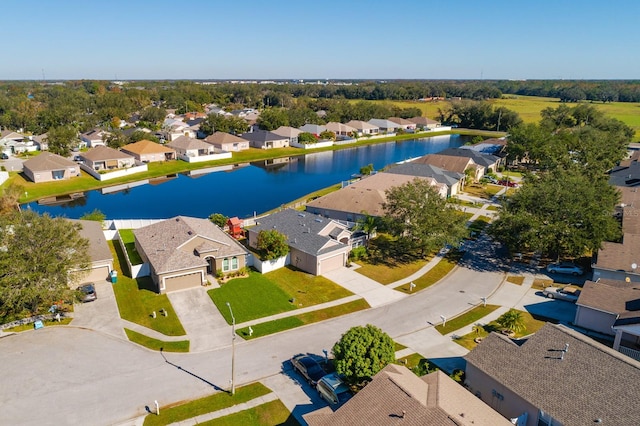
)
(88, 292)
(308, 367)
(569, 294)
(508, 183)
(565, 268)
(333, 389)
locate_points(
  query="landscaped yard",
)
(307, 289)
(465, 319)
(482, 191)
(271, 413)
(137, 302)
(294, 321)
(468, 340)
(515, 279)
(155, 344)
(126, 235)
(386, 273)
(211, 403)
(435, 274)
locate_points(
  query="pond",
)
(240, 190)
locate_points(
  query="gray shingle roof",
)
(614, 297)
(426, 170)
(162, 243)
(303, 230)
(185, 142)
(100, 153)
(98, 247)
(48, 161)
(486, 160)
(591, 381)
(262, 136)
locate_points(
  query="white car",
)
(569, 294)
(565, 268)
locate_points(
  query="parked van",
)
(333, 389)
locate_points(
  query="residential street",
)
(70, 375)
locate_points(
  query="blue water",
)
(245, 190)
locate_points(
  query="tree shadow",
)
(484, 255)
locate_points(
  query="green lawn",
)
(482, 191)
(136, 301)
(253, 297)
(465, 319)
(435, 274)
(307, 289)
(215, 402)
(513, 279)
(468, 340)
(126, 235)
(155, 344)
(386, 273)
(269, 414)
(47, 323)
(287, 323)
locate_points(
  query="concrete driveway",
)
(206, 328)
(101, 314)
(373, 292)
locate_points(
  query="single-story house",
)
(94, 137)
(425, 123)
(341, 129)
(314, 129)
(288, 132)
(557, 376)
(384, 125)
(397, 396)
(363, 128)
(147, 151)
(403, 123)
(227, 142)
(183, 251)
(265, 140)
(103, 158)
(452, 163)
(101, 259)
(489, 162)
(48, 167)
(41, 141)
(453, 180)
(318, 245)
(363, 197)
(187, 147)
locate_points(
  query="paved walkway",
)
(227, 411)
(372, 291)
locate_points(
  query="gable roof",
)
(222, 138)
(619, 256)
(287, 132)
(361, 125)
(485, 160)
(306, 232)
(401, 121)
(383, 123)
(397, 395)
(102, 152)
(145, 146)
(313, 128)
(366, 195)
(185, 142)
(615, 297)
(335, 127)
(48, 161)
(423, 121)
(161, 243)
(262, 136)
(447, 177)
(446, 162)
(9, 134)
(589, 381)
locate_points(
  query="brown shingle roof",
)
(162, 243)
(398, 396)
(423, 121)
(591, 381)
(48, 161)
(614, 297)
(222, 138)
(446, 162)
(620, 256)
(98, 247)
(185, 142)
(146, 147)
(100, 153)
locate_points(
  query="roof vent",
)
(301, 214)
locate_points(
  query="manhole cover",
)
(461, 291)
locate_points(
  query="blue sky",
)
(273, 39)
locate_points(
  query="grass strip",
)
(155, 344)
(136, 300)
(385, 273)
(517, 280)
(47, 323)
(269, 414)
(208, 404)
(468, 341)
(435, 274)
(126, 235)
(465, 319)
(287, 323)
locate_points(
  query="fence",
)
(265, 266)
(115, 174)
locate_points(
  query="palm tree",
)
(477, 328)
(512, 320)
(367, 224)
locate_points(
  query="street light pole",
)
(233, 350)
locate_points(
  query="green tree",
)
(10, 199)
(327, 135)
(38, 260)
(512, 320)
(219, 219)
(221, 123)
(363, 351)
(563, 213)
(153, 115)
(272, 244)
(423, 219)
(62, 139)
(272, 118)
(368, 224)
(96, 215)
(139, 135)
(366, 170)
(306, 137)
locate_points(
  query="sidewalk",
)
(227, 411)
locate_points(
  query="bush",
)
(358, 253)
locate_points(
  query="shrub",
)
(358, 253)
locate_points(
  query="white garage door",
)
(183, 281)
(96, 274)
(331, 264)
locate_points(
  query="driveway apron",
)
(373, 292)
(101, 314)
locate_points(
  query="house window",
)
(225, 265)
(234, 263)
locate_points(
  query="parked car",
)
(309, 368)
(569, 294)
(333, 389)
(4, 156)
(508, 183)
(565, 268)
(88, 292)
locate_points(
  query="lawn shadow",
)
(216, 387)
(146, 283)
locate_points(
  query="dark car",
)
(308, 368)
(87, 292)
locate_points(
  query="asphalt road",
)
(71, 375)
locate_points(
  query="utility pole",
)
(233, 350)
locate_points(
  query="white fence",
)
(316, 145)
(3, 177)
(201, 158)
(137, 271)
(115, 224)
(115, 174)
(265, 266)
